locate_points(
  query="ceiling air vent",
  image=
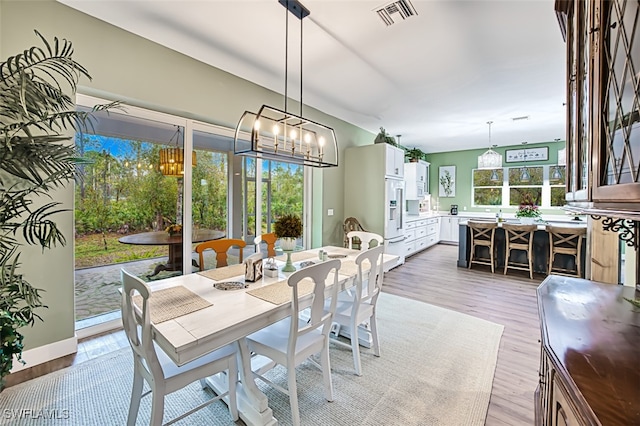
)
(401, 8)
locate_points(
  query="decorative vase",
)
(527, 220)
(288, 243)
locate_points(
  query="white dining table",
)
(233, 315)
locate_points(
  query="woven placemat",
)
(172, 303)
(224, 273)
(297, 257)
(280, 292)
(349, 267)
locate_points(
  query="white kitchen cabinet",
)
(449, 229)
(420, 233)
(433, 231)
(416, 176)
(409, 237)
(394, 161)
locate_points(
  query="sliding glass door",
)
(122, 197)
(151, 185)
(280, 192)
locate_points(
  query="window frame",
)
(505, 187)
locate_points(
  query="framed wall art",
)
(447, 181)
(526, 154)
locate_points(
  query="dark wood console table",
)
(590, 356)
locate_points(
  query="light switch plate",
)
(330, 212)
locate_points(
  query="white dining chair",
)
(152, 364)
(292, 341)
(365, 239)
(359, 305)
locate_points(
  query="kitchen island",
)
(540, 246)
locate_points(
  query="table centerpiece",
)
(288, 228)
(174, 230)
(527, 211)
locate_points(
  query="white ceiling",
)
(435, 78)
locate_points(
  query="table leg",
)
(253, 405)
(174, 263)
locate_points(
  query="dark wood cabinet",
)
(603, 104)
(590, 355)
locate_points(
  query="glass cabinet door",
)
(619, 130)
(579, 45)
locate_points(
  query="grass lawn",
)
(98, 249)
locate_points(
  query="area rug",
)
(436, 368)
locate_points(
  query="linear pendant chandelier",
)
(280, 135)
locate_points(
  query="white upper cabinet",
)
(416, 176)
(394, 160)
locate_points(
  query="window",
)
(525, 183)
(557, 175)
(545, 185)
(487, 187)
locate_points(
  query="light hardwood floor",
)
(433, 277)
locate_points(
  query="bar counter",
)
(540, 246)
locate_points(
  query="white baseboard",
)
(99, 328)
(46, 353)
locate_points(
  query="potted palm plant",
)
(288, 228)
(37, 112)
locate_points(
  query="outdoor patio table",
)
(162, 238)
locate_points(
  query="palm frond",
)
(38, 229)
(34, 61)
(38, 158)
(37, 112)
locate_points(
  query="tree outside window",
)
(557, 176)
(487, 191)
(521, 189)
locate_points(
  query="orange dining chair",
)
(220, 247)
(270, 240)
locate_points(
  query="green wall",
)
(125, 66)
(465, 162)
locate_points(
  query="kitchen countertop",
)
(542, 225)
(559, 218)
